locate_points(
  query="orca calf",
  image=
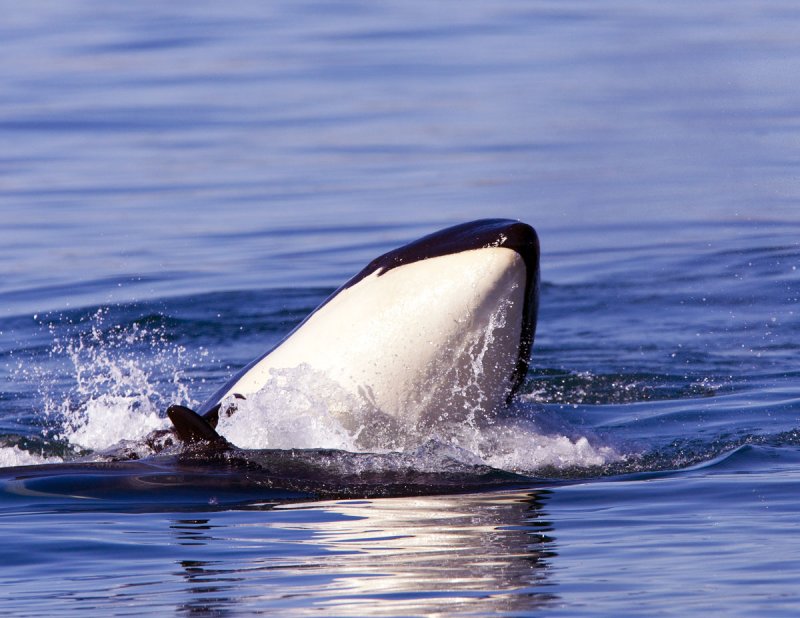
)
(438, 329)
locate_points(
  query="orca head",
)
(440, 328)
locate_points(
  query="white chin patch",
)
(435, 340)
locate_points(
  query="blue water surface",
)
(181, 184)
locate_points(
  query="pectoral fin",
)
(191, 427)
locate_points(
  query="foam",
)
(301, 408)
(118, 393)
(14, 456)
(107, 420)
(297, 408)
(116, 390)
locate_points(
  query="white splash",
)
(297, 408)
(517, 445)
(15, 456)
(115, 397)
(107, 420)
(114, 392)
(302, 408)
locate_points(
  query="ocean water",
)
(180, 184)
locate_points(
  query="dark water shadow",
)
(216, 480)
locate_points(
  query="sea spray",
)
(109, 381)
(112, 380)
(302, 408)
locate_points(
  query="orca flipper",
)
(211, 417)
(193, 428)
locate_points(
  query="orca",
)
(438, 329)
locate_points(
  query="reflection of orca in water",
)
(439, 328)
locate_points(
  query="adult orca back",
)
(440, 328)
